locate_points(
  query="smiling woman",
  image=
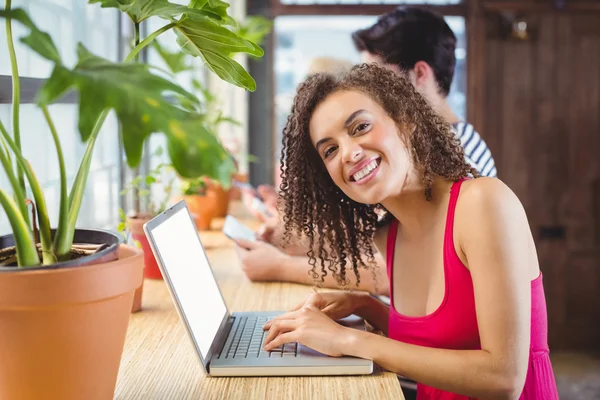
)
(364, 106)
(467, 317)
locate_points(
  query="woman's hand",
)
(335, 305)
(310, 327)
(261, 261)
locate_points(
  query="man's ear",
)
(422, 73)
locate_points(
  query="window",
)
(67, 21)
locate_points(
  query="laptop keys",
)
(246, 340)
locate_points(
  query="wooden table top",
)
(159, 361)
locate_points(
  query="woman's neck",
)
(414, 213)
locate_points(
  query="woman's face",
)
(360, 146)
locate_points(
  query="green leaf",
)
(196, 151)
(202, 37)
(206, 94)
(176, 61)
(216, 9)
(255, 28)
(143, 193)
(27, 254)
(228, 120)
(138, 97)
(121, 227)
(140, 10)
(37, 40)
(150, 180)
(122, 215)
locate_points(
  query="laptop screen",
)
(187, 268)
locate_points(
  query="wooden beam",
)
(539, 7)
(476, 82)
(278, 9)
(29, 89)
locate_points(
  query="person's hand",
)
(310, 327)
(271, 217)
(260, 261)
(335, 305)
(269, 195)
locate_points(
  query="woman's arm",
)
(264, 262)
(373, 311)
(296, 270)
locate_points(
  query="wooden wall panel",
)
(542, 123)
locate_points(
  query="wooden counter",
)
(159, 361)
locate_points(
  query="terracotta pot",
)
(203, 209)
(63, 329)
(136, 227)
(222, 200)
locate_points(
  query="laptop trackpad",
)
(351, 321)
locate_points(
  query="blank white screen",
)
(188, 269)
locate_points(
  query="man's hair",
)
(408, 35)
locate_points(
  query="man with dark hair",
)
(419, 44)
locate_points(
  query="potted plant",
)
(66, 293)
(153, 191)
(201, 202)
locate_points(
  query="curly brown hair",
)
(339, 229)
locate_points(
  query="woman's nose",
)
(353, 154)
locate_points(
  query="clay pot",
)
(222, 199)
(136, 227)
(202, 208)
(63, 329)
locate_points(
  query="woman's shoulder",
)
(483, 191)
(483, 200)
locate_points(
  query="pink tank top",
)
(454, 324)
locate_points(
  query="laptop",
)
(229, 344)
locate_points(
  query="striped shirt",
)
(476, 151)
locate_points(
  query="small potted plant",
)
(153, 191)
(201, 202)
(66, 293)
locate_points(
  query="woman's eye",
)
(328, 151)
(361, 128)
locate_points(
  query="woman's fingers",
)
(282, 339)
(278, 328)
(282, 317)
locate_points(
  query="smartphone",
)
(234, 229)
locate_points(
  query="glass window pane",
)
(68, 22)
(100, 205)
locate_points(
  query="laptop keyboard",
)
(246, 338)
